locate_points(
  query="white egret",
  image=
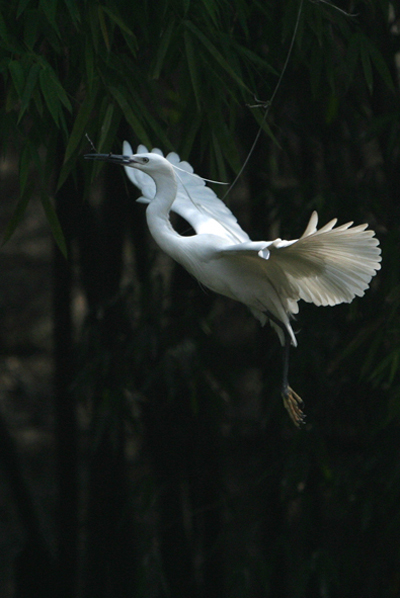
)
(325, 267)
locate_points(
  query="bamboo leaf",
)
(80, 124)
(191, 61)
(219, 158)
(17, 75)
(211, 8)
(255, 58)
(120, 97)
(50, 97)
(54, 223)
(92, 18)
(37, 98)
(49, 8)
(72, 7)
(18, 213)
(78, 130)
(162, 50)
(103, 27)
(105, 127)
(29, 89)
(131, 42)
(108, 138)
(21, 7)
(151, 121)
(118, 21)
(89, 63)
(32, 28)
(38, 163)
(226, 142)
(191, 134)
(264, 125)
(59, 90)
(217, 56)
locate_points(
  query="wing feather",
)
(325, 267)
(194, 201)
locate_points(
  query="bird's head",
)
(151, 163)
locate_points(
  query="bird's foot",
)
(294, 404)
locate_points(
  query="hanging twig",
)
(268, 103)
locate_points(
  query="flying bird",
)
(325, 266)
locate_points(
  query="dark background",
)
(144, 447)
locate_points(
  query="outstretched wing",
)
(194, 201)
(326, 266)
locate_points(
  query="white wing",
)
(194, 201)
(326, 266)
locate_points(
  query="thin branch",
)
(269, 103)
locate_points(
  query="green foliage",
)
(194, 63)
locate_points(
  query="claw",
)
(293, 403)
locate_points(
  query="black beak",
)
(114, 158)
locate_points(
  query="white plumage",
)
(325, 267)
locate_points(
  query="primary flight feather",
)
(325, 267)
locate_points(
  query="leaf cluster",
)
(182, 74)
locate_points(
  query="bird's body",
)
(325, 267)
(238, 276)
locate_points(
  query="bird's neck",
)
(157, 212)
(166, 189)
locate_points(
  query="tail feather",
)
(327, 266)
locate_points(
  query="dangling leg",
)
(293, 403)
(291, 399)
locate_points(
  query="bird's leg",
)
(291, 399)
(293, 403)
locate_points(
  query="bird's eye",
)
(145, 160)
